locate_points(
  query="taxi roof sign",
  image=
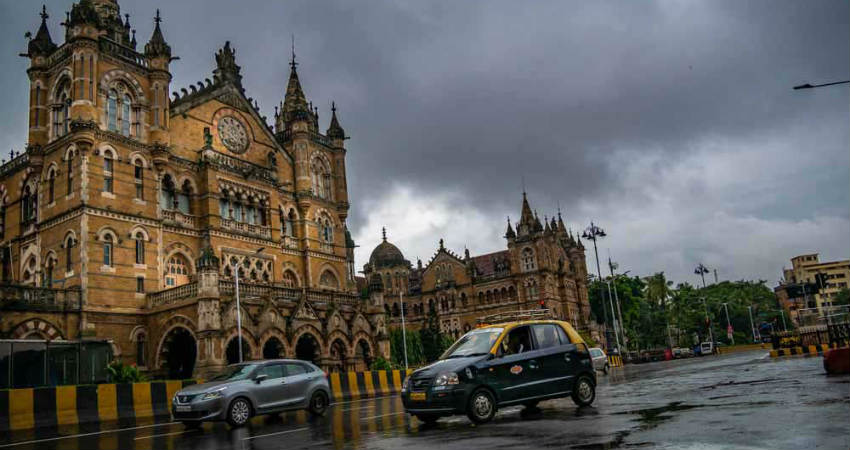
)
(514, 316)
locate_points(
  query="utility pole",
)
(403, 330)
(715, 276)
(238, 306)
(708, 320)
(728, 324)
(593, 233)
(611, 266)
(752, 325)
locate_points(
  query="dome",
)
(386, 255)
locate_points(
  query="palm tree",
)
(658, 289)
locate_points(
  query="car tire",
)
(239, 412)
(318, 403)
(584, 391)
(481, 407)
(428, 419)
(605, 369)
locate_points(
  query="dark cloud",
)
(599, 106)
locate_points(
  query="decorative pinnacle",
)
(292, 63)
(43, 14)
(384, 233)
(333, 107)
(157, 19)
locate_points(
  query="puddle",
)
(651, 417)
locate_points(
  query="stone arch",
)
(139, 229)
(107, 149)
(176, 321)
(64, 75)
(325, 269)
(274, 333)
(248, 340)
(366, 355)
(307, 332)
(108, 80)
(70, 152)
(138, 156)
(342, 336)
(185, 177)
(289, 273)
(106, 230)
(36, 326)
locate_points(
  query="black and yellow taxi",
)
(503, 362)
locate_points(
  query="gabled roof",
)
(485, 264)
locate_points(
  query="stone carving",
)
(233, 134)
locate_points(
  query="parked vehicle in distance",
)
(600, 360)
(514, 358)
(682, 352)
(252, 388)
(706, 348)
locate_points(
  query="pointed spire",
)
(554, 224)
(527, 217)
(561, 226)
(546, 227)
(42, 44)
(157, 47)
(294, 102)
(537, 225)
(384, 233)
(509, 234)
(334, 130)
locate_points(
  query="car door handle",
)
(283, 381)
(533, 364)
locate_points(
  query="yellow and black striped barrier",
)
(346, 386)
(811, 350)
(28, 408)
(615, 361)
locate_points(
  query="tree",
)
(842, 298)
(433, 341)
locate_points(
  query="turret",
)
(158, 53)
(509, 234)
(38, 50)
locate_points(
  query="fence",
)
(30, 363)
(832, 335)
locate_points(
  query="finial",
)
(127, 20)
(509, 220)
(43, 14)
(442, 246)
(384, 233)
(292, 63)
(157, 19)
(333, 107)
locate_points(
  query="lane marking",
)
(358, 409)
(362, 400)
(58, 438)
(275, 434)
(382, 415)
(158, 435)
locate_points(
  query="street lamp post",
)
(701, 270)
(238, 306)
(752, 325)
(611, 266)
(708, 319)
(593, 233)
(403, 330)
(728, 324)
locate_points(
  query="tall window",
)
(112, 111)
(321, 179)
(140, 248)
(69, 177)
(290, 223)
(184, 198)
(107, 250)
(528, 263)
(51, 185)
(141, 348)
(2, 219)
(61, 106)
(69, 252)
(156, 106)
(139, 179)
(37, 104)
(224, 206)
(167, 199)
(125, 115)
(140, 285)
(107, 172)
(177, 272)
(29, 204)
(48, 273)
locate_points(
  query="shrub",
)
(123, 373)
(380, 364)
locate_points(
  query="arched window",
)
(290, 223)
(141, 350)
(61, 106)
(51, 185)
(224, 206)
(177, 271)
(327, 231)
(289, 279)
(167, 198)
(528, 263)
(48, 272)
(69, 176)
(125, 115)
(250, 213)
(29, 205)
(184, 203)
(108, 166)
(37, 104)
(531, 290)
(107, 250)
(140, 247)
(321, 179)
(328, 280)
(139, 179)
(112, 111)
(69, 253)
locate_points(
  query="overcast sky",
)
(672, 124)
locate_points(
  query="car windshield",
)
(476, 342)
(235, 372)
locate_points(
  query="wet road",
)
(738, 401)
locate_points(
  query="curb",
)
(811, 350)
(615, 361)
(346, 386)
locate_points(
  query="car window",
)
(546, 336)
(595, 352)
(295, 369)
(517, 341)
(563, 335)
(581, 347)
(272, 371)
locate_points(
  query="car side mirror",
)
(490, 356)
(259, 378)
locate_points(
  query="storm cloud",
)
(671, 124)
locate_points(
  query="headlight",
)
(405, 384)
(212, 395)
(444, 379)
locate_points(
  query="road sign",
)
(729, 331)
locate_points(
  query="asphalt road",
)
(738, 401)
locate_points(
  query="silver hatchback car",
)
(252, 388)
(600, 360)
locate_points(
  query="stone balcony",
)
(227, 289)
(256, 230)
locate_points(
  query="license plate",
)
(417, 396)
(182, 408)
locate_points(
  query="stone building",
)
(542, 267)
(130, 213)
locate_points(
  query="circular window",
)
(233, 134)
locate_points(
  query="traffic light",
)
(542, 304)
(820, 280)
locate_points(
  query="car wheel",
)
(605, 369)
(481, 407)
(584, 392)
(428, 419)
(239, 412)
(318, 403)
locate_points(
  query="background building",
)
(542, 267)
(129, 213)
(812, 285)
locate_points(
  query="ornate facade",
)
(130, 214)
(543, 267)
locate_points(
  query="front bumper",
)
(198, 410)
(450, 400)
